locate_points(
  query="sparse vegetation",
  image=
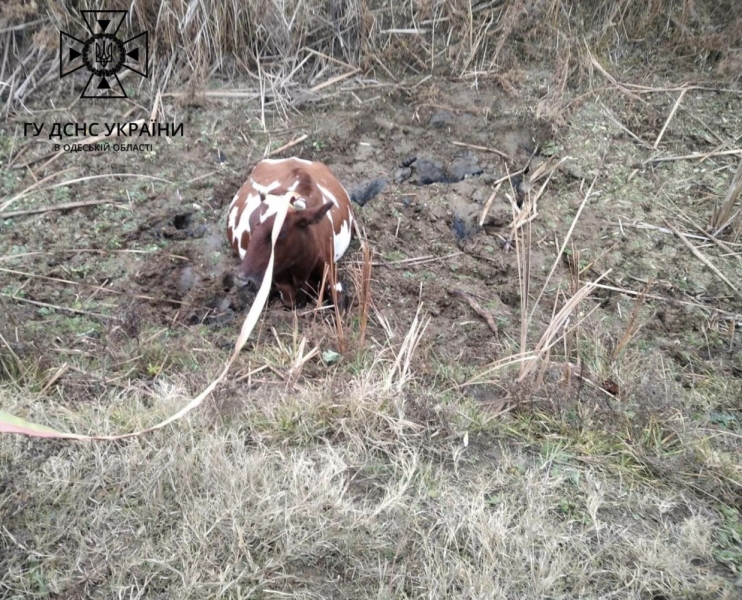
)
(537, 392)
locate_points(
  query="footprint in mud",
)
(427, 171)
(464, 166)
(182, 221)
(220, 311)
(176, 227)
(464, 218)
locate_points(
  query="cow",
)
(315, 234)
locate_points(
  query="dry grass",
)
(726, 216)
(372, 496)
(290, 51)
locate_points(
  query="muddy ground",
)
(426, 238)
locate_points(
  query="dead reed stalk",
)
(339, 327)
(631, 327)
(559, 324)
(364, 291)
(724, 216)
(524, 276)
(570, 340)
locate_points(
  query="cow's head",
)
(294, 243)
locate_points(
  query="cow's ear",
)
(312, 217)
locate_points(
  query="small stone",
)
(407, 161)
(464, 189)
(330, 356)
(220, 303)
(221, 318)
(198, 231)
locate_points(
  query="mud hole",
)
(425, 238)
(163, 247)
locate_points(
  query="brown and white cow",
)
(316, 232)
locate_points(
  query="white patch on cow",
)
(339, 287)
(341, 240)
(233, 217)
(294, 185)
(271, 204)
(265, 189)
(327, 194)
(252, 202)
(276, 161)
(251, 205)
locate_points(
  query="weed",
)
(728, 549)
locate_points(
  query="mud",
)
(423, 226)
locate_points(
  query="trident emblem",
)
(102, 55)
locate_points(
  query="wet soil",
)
(441, 150)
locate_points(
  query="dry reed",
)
(294, 49)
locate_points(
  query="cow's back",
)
(278, 176)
